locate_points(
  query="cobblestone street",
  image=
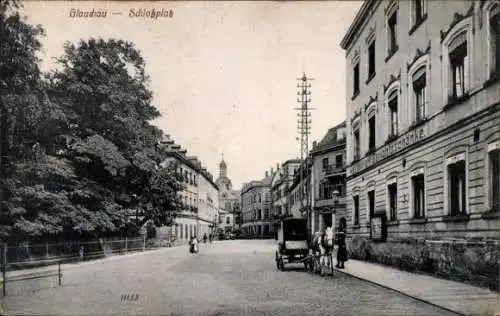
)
(225, 278)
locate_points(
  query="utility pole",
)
(304, 129)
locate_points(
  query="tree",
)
(19, 75)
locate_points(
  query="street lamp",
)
(335, 195)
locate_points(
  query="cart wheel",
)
(281, 264)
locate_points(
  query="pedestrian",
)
(193, 245)
(342, 248)
(210, 238)
(205, 238)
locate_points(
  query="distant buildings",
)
(280, 185)
(198, 215)
(423, 135)
(256, 207)
(229, 201)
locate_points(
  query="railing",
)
(322, 202)
(333, 169)
(26, 255)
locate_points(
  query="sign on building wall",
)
(390, 149)
(378, 227)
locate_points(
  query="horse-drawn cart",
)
(292, 242)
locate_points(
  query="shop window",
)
(371, 133)
(494, 175)
(356, 79)
(339, 161)
(392, 35)
(356, 145)
(392, 190)
(371, 60)
(393, 113)
(356, 210)
(371, 203)
(418, 190)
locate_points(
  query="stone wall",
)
(474, 261)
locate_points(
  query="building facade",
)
(328, 179)
(256, 208)
(200, 196)
(280, 184)
(423, 135)
(299, 193)
(229, 199)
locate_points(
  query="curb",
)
(401, 292)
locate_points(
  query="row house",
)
(328, 179)
(256, 207)
(200, 202)
(423, 134)
(280, 185)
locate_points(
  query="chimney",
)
(267, 174)
(277, 166)
(315, 143)
(272, 171)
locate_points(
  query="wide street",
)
(225, 278)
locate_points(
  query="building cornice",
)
(358, 24)
(189, 163)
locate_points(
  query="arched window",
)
(419, 78)
(457, 60)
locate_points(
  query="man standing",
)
(342, 250)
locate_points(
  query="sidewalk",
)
(457, 297)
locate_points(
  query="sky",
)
(224, 74)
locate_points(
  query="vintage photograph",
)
(250, 157)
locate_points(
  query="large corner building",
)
(423, 135)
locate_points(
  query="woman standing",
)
(342, 250)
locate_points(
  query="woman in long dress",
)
(342, 250)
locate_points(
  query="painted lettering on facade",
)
(398, 145)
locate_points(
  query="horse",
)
(322, 247)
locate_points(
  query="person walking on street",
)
(342, 250)
(205, 238)
(193, 245)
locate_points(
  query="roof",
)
(357, 24)
(330, 139)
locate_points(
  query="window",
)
(459, 66)
(393, 113)
(371, 203)
(356, 79)
(392, 22)
(371, 60)
(418, 11)
(325, 163)
(418, 185)
(371, 133)
(420, 93)
(494, 159)
(356, 210)
(495, 39)
(338, 161)
(356, 144)
(456, 184)
(392, 190)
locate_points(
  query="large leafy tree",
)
(78, 145)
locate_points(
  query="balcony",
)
(332, 170)
(330, 202)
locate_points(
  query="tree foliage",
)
(77, 142)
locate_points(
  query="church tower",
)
(222, 168)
